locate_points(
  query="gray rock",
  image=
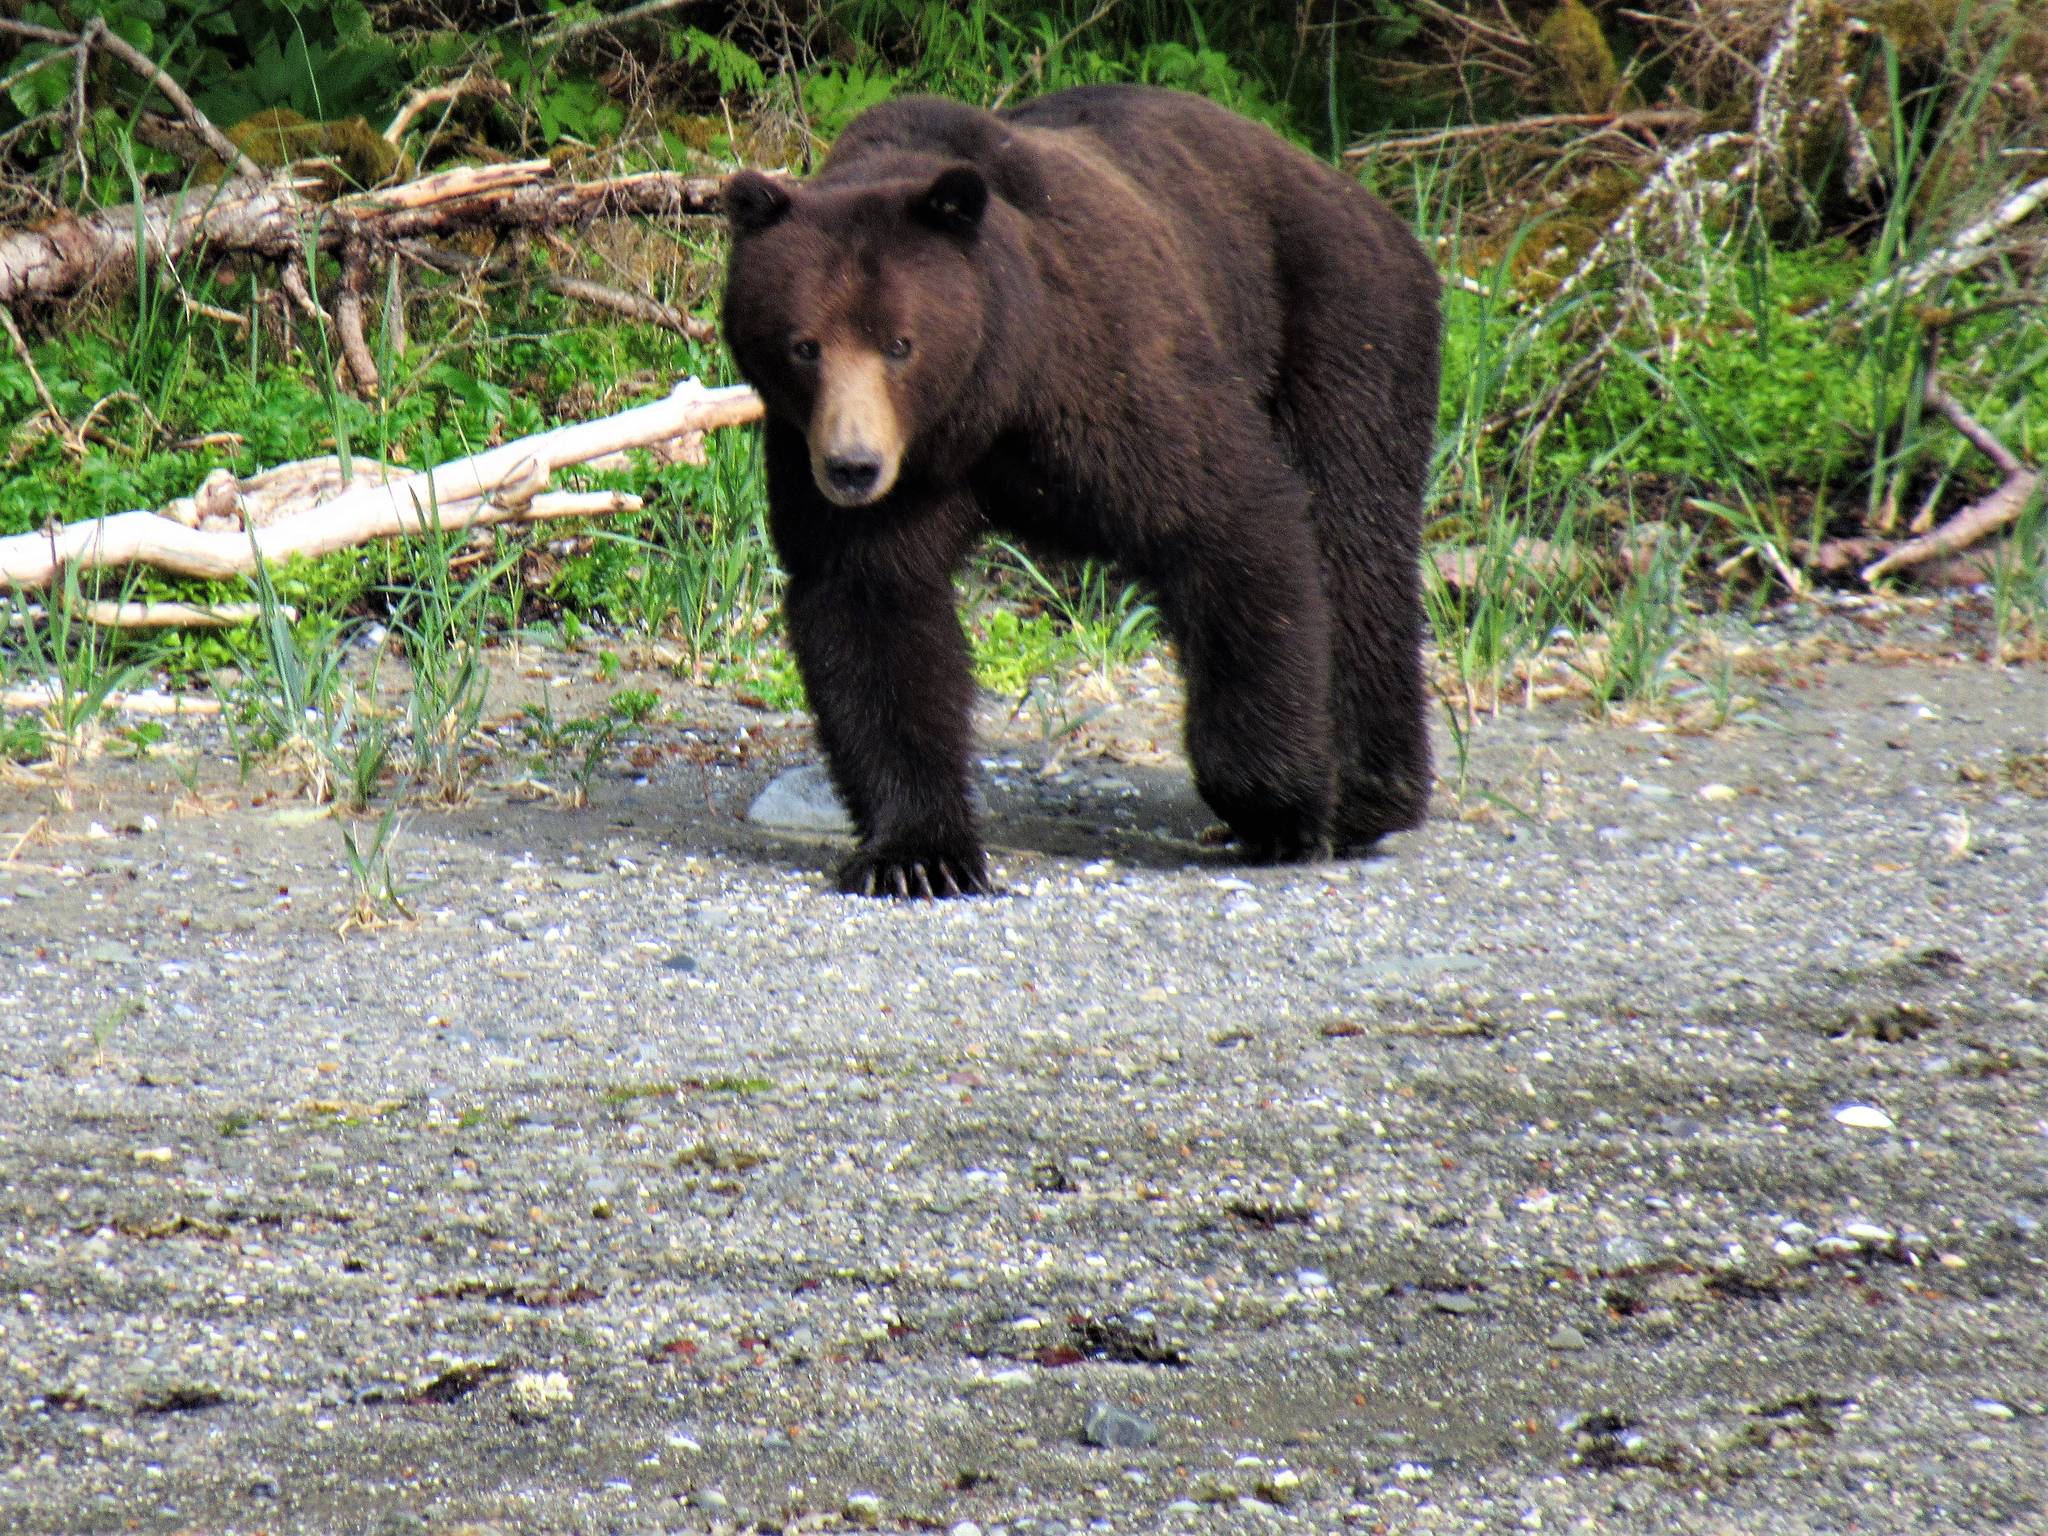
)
(863, 1509)
(800, 800)
(1114, 1428)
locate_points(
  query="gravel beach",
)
(1655, 1142)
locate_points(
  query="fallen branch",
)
(1648, 118)
(348, 319)
(99, 36)
(634, 306)
(500, 485)
(1972, 244)
(433, 96)
(2012, 496)
(278, 221)
(177, 615)
(57, 421)
(144, 701)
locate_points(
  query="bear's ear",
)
(954, 202)
(753, 202)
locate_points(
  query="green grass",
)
(52, 648)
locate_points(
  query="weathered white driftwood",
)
(501, 485)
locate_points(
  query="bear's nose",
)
(853, 474)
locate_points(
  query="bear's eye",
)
(898, 349)
(805, 351)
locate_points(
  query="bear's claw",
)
(908, 876)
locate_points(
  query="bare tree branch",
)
(433, 96)
(98, 36)
(2012, 496)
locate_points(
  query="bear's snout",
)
(856, 430)
(852, 476)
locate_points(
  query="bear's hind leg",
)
(1356, 410)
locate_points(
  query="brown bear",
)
(1117, 322)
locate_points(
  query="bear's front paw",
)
(921, 874)
(1289, 847)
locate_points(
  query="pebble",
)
(1459, 1304)
(1282, 1487)
(1566, 1337)
(1863, 1117)
(536, 1396)
(863, 1509)
(1992, 1408)
(1114, 1428)
(1619, 1253)
(1869, 1234)
(800, 800)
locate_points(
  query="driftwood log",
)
(276, 221)
(504, 484)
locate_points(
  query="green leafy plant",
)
(76, 666)
(582, 743)
(296, 697)
(375, 893)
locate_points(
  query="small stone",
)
(965, 1528)
(1992, 1408)
(1837, 1247)
(1459, 1304)
(1869, 1234)
(864, 1509)
(1114, 1428)
(536, 1396)
(1566, 1337)
(1183, 1507)
(1282, 1488)
(800, 800)
(1211, 1489)
(1863, 1117)
(1624, 1253)
(709, 1498)
(1718, 793)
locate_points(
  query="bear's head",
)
(858, 310)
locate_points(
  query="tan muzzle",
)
(856, 435)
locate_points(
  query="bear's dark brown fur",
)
(1116, 322)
